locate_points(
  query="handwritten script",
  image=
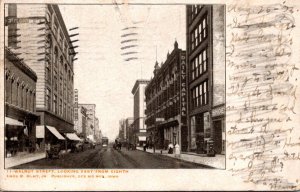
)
(262, 94)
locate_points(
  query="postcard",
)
(149, 95)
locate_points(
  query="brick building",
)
(20, 98)
(166, 101)
(206, 76)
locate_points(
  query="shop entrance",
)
(217, 125)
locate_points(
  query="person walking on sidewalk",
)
(48, 147)
(170, 148)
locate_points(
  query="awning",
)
(55, 132)
(10, 121)
(40, 131)
(73, 136)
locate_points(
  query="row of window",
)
(199, 33)
(58, 106)
(199, 64)
(199, 95)
(18, 95)
(53, 22)
(195, 9)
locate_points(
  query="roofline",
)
(22, 65)
(137, 82)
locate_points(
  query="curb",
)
(204, 165)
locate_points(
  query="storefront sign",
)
(183, 103)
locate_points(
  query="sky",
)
(117, 46)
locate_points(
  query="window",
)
(65, 110)
(199, 64)
(55, 104)
(48, 71)
(195, 9)
(199, 33)
(199, 95)
(48, 99)
(55, 80)
(60, 107)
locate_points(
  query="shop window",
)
(206, 121)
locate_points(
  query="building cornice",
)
(12, 57)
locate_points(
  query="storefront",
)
(200, 131)
(17, 138)
(53, 137)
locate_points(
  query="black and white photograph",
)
(148, 95)
(166, 108)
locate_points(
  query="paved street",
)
(110, 158)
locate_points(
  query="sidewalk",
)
(217, 162)
(23, 158)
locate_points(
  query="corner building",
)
(206, 76)
(166, 100)
(41, 39)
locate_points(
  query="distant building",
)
(166, 99)
(127, 131)
(91, 118)
(122, 129)
(139, 106)
(80, 121)
(20, 97)
(37, 33)
(97, 132)
(206, 76)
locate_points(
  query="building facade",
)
(98, 134)
(122, 129)
(206, 76)
(80, 121)
(166, 100)
(41, 39)
(127, 131)
(20, 98)
(139, 106)
(91, 118)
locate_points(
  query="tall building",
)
(80, 121)
(20, 116)
(91, 118)
(205, 28)
(97, 132)
(166, 100)
(127, 130)
(122, 129)
(139, 106)
(41, 39)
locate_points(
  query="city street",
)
(110, 158)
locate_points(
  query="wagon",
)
(54, 151)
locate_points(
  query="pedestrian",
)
(170, 148)
(144, 146)
(48, 147)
